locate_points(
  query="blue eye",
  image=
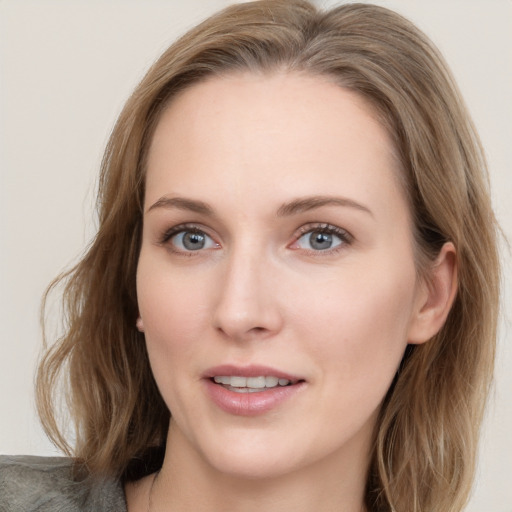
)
(322, 238)
(192, 240)
(318, 241)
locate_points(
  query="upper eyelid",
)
(323, 226)
(299, 232)
(187, 226)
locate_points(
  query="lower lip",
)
(250, 404)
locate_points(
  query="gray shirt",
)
(45, 484)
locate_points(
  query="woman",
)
(284, 306)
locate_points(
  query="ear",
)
(140, 324)
(435, 296)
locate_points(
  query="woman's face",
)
(277, 251)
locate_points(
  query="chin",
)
(254, 467)
(251, 455)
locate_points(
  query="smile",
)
(240, 384)
(251, 390)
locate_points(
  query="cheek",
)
(358, 328)
(169, 303)
(174, 315)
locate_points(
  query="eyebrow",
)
(310, 203)
(182, 203)
(294, 207)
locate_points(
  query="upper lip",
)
(249, 371)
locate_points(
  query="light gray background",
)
(66, 68)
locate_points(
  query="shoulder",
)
(46, 484)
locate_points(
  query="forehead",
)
(248, 131)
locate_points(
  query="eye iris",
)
(320, 241)
(193, 241)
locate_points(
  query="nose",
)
(248, 305)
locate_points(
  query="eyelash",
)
(176, 230)
(345, 237)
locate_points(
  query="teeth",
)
(256, 382)
(271, 382)
(250, 384)
(238, 382)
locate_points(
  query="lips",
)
(252, 390)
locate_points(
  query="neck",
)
(188, 482)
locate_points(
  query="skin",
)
(260, 293)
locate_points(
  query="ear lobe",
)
(436, 296)
(140, 324)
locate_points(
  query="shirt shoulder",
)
(45, 484)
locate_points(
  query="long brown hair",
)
(426, 438)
